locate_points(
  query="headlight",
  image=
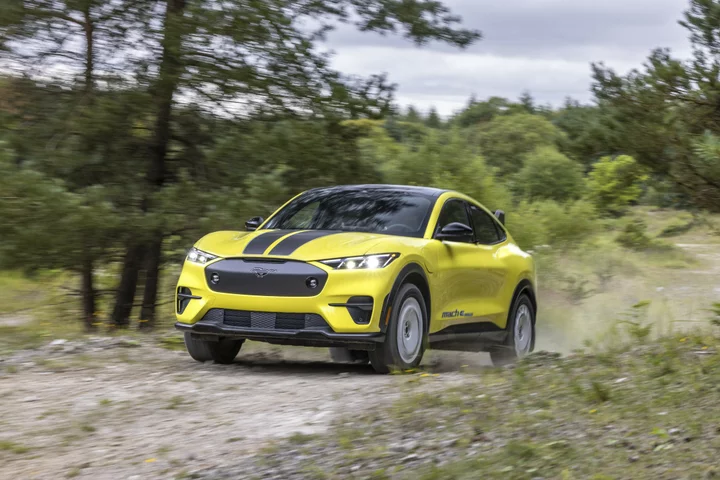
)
(198, 256)
(367, 262)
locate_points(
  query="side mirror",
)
(253, 224)
(455, 232)
(500, 215)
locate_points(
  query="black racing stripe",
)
(259, 244)
(292, 243)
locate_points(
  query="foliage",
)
(659, 114)
(715, 318)
(506, 140)
(551, 223)
(636, 321)
(679, 226)
(549, 175)
(37, 211)
(477, 113)
(634, 235)
(588, 135)
(615, 183)
(442, 158)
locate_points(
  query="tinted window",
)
(486, 232)
(453, 211)
(378, 211)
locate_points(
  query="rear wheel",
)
(521, 333)
(406, 334)
(345, 355)
(222, 351)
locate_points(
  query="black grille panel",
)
(266, 320)
(265, 277)
(236, 318)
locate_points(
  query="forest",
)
(129, 129)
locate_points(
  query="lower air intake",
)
(267, 320)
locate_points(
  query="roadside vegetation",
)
(640, 410)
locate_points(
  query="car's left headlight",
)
(198, 256)
(366, 262)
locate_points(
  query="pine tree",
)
(433, 119)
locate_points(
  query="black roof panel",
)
(427, 191)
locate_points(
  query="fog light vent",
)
(184, 296)
(360, 309)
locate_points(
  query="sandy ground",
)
(115, 411)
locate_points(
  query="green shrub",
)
(525, 226)
(506, 140)
(634, 235)
(662, 193)
(615, 183)
(444, 160)
(715, 310)
(549, 175)
(678, 227)
(548, 222)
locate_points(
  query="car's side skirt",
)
(468, 337)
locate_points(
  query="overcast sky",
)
(543, 46)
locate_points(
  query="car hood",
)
(304, 245)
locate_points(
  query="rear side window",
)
(487, 232)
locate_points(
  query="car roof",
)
(426, 191)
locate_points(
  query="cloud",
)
(544, 46)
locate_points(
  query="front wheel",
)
(221, 351)
(406, 334)
(521, 333)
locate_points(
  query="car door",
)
(458, 276)
(492, 275)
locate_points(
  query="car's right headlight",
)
(366, 262)
(198, 256)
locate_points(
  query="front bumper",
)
(311, 338)
(340, 288)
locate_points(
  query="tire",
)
(406, 335)
(345, 355)
(223, 351)
(521, 333)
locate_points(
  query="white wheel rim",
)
(409, 331)
(523, 331)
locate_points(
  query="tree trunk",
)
(167, 85)
(152, 278)
(89, 28)
(125, 296)
(88, 294)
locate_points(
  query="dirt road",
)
(139, 411)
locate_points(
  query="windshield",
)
(376, 211)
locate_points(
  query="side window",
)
(453, 211)
(486, 231)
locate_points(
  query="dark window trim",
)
(502, 234)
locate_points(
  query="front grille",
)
(267, 320)
(265, 277)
